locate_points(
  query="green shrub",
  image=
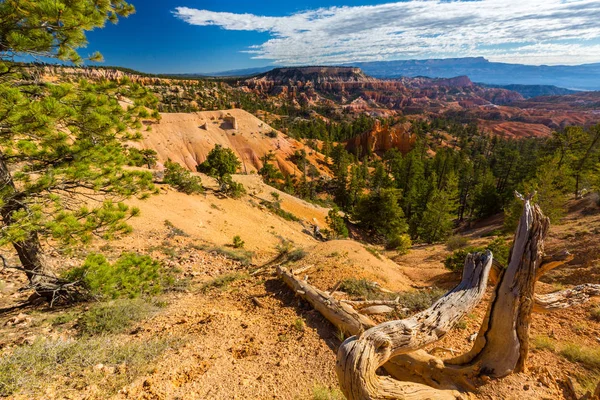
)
(321, 392)
(419, 300)
(336, 223)
(114, 317)
(455, 262)
(400, 243)
(360, 288)
(231, 188)
(462, 325)
(284, 247)
(173, 230)
(275, 207)
(595, 314)
(182, 179)
(500, 249)
(130, 276)
(296, 255)
(63, 319)
(542, 342)
(242, 256)
(456, 242)
(238, 243)
(299, 325)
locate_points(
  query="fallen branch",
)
(366, 303)
(557, 300)
(566, 298)
(343, 316)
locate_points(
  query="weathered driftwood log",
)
(360, 357)
(342, 315)
(501, 346)
(566, 298)
(368, 303)
(557, 300)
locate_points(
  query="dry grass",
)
(588, 356)
(114, 317)
(75, 364)
(223, 281)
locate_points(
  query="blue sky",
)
(154, 40)
(176, 36)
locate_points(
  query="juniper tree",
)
(221, 163)
(61, 144)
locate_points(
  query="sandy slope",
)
(188, 138)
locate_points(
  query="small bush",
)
(221, 282)
(272, 134)
(456, 242)
(238, 243)
(400, 243)
(588, 356)
(296, 255)
(462, 325)
(374, 252)
(242, 256)
(173, 230)
(500, 249)
(299, 325)
(182, 179)
(114, 317)
(595, 314)
(231, 188)
(542, 342)
(336, 223)
(63, 319)
(420, 300)
(275, 208)
(321, 392)
(360, 288)
(130, 276)
(284, 247)
(455, 262)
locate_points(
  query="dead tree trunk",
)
(500, 348)
(360, 357)
(342, 315)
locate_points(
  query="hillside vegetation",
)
(149, 223)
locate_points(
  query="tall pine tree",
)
(61, 145)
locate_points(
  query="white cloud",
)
(527, 31)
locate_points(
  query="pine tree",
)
(221, 163)
(380, 213)
(437, 221)
(62, 144)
